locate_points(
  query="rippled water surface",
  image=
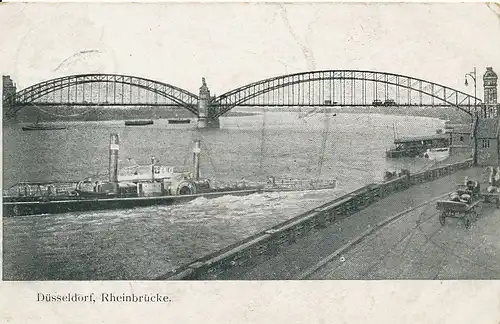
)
(144, 243)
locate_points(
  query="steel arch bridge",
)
(347, 88)
(101, 90)
(344, 88)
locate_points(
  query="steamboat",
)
(137, 186)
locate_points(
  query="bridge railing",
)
(269, 242)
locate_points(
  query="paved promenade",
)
(414, 246)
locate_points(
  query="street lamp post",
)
(473, 75)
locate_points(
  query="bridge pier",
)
(206, 112)
(207, 122)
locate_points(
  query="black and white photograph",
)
(250, 141)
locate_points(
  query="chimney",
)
(114, 143)
(153, 162)
(196, 159)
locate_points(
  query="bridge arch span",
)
(345, 88)
(109, 88)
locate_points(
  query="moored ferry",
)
(417, 145)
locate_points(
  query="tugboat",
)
(138, 186)
(151, 180)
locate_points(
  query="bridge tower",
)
(206, 111)
(9, 91)
(487, 126)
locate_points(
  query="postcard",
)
(250, 162)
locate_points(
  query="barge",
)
(137, 186)
(179, 121)
(138, 122)
(39, 127)
(42, 127)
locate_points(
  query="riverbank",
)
(61, 114)
(295, 259)
(455, 116)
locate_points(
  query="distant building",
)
(460, 140)
(487, 141)
(9, 88)
(488, 128)
(488, 138)
(490, 84)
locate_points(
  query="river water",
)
(143, 243)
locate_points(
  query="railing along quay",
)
(270, 241)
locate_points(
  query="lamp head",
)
(466, 83)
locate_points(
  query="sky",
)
(235, 44)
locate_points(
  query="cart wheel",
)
(442, 219)
(467, 222)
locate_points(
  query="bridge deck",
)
(400, 249)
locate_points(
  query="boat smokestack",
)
(196, 159)
(114, 145)
(153, 162)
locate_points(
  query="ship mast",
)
(394, 129)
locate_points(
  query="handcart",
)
(456, 209)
